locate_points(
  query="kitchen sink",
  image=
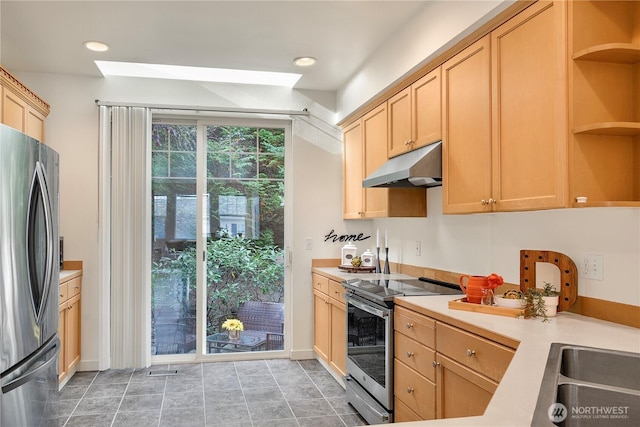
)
(599, 366)
(586, 386)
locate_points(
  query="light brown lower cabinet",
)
(443, 371)
(69, 326)
(461, 391)
(330, 323)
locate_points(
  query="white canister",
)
(368, 258)
(348, 253)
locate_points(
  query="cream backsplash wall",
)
(485, 243)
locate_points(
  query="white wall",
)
(439, 25)
(477, 244)
(72, 130)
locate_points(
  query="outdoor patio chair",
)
(275, 341)
(262, 316)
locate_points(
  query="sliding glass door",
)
(218, 237)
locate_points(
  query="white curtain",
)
(125, 234)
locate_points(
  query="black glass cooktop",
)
(385, 290)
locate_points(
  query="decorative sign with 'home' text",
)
(333, 237)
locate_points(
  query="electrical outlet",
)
(418, 248)
(592, 267)
(308, 243)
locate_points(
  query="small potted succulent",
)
(542, 302)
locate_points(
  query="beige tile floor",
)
(262, 393)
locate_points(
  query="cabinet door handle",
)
(409, 389)
(492, 201)
(409, 354)
(471, 352)
(484, 202)
(409, 325)
(435, 364)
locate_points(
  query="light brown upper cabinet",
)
(365, 150)
(466, 130)
(505, 117)
(414, 115)
(20, 108)
(604, 41)
(529, 110)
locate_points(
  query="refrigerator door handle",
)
(39, 190)
(38, 367)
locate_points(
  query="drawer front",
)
(481, 355)
(415, 326)
(336, 291)
(415, 355)
(73, 286)
(402, 413)
(63, 293)
(320, 283)
(415, 391)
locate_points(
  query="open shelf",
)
(609, 128)
(622, 53)
(604, 77)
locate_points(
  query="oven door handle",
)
(367, 307)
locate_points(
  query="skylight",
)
(177, 72)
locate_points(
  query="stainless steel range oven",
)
(369, 379)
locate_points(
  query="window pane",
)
(271, 166)
(183, 165)
(160, 164)
(244, 166)
(271, 140)
(183, 138)
(218, 165)
(173, 187)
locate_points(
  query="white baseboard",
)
(301, 354)
(88, 365)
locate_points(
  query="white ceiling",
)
(48, 36)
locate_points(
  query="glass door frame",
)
(201, 241)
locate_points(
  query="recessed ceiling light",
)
(96, 46)
(177, 72)
(305, 61)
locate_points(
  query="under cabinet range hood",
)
(417, 168)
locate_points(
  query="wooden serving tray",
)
(352, 269)
(462, 304)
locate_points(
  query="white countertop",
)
(67, 274)
(514, 401)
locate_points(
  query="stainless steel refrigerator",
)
(29, 278)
